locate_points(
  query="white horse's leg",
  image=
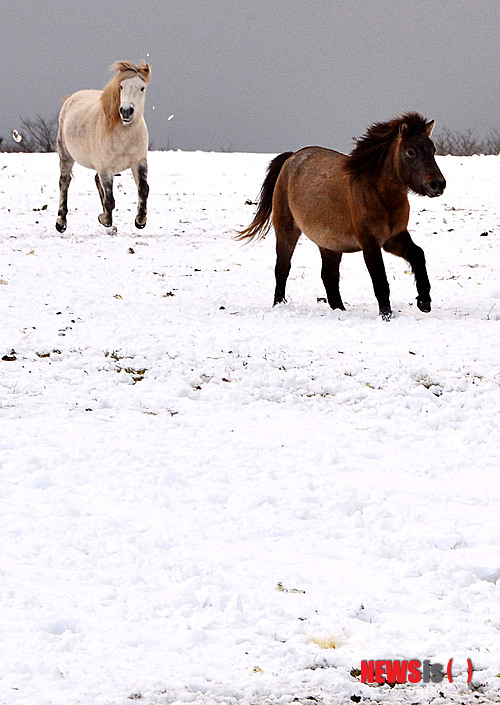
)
(66, 162)
(112, 229)
(107, 199)
(140, 172)
(100, 189)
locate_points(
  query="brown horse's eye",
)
(411, 153)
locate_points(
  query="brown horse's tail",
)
(261, 224)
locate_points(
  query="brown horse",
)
(348, 203)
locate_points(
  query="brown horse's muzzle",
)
(435, 185)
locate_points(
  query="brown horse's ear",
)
(429, 126)
(403, 129)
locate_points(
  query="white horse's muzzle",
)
(127, 113)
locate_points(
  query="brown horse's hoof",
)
(337, 306)
(140, 225)
(424, 306)
(386, 314)
(60, 227)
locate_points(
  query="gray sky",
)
(260, 75)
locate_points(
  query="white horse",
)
(106, 131)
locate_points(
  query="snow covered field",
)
(208, 500)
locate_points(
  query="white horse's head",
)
(124, 97)
(132, 98)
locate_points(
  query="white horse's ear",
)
(429, 126)
(145, 71)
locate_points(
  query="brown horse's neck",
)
(393, 193)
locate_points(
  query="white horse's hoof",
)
(100, 218)
(110, 229)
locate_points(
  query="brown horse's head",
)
(402, 145)
(414, 156)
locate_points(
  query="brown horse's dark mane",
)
(371, 149)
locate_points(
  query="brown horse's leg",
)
(108, 201)
(330, 276)
(286, 240)
(140, 172)
(375, 264)
(403, 246)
